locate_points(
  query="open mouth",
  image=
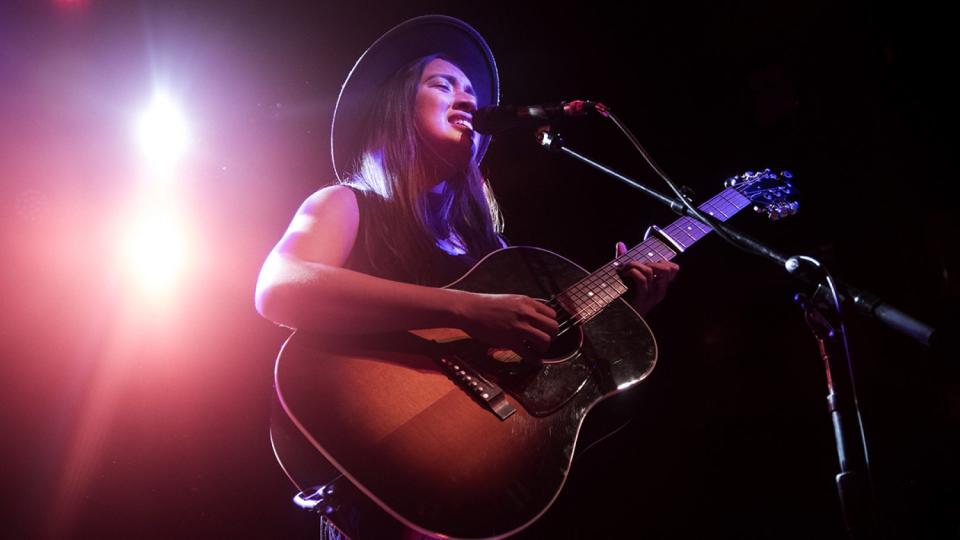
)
(462, 123)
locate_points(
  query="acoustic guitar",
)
(432, 433)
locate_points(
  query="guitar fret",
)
(737, 199)
(602, 294)
(726, 204)
(718, 210)
(701, 226)
(663, 251)
(604, 286)
(596, 291)
(592, 296)
(666, 253)
(581, 298)
(676, 228)
(695, 228)
(585, 300)
(570, 304)
(617, 284)
(607, 296)
(586, 311)
(678, 237)
(726, 208)
(690, 228)
(654, 250)
(593, 293)
(715, 202)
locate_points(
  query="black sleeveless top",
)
(371, 255)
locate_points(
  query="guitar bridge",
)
(485, 391)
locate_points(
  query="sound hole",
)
(564, 347)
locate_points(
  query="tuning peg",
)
(788, 209)
(770, 212)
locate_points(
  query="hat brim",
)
(404, 43)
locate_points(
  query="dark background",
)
(124, 419)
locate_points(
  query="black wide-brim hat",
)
(396, 49)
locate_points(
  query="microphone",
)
(496, 119)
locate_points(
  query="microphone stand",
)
(823, 316)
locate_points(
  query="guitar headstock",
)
(771, 193)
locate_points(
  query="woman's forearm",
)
(318, 297)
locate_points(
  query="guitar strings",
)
(567, 321)
(578, 318)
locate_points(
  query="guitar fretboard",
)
(593, 293)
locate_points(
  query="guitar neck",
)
(596, 291)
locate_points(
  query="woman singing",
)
(411, 211)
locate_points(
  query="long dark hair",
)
(394, 170)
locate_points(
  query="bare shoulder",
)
(335, 198)
(325, 227)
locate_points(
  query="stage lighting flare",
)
(156, 253)
(68, 4)
(163, 134)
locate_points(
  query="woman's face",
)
(444, 114)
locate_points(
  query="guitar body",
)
(424, 449)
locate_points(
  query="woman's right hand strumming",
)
(510, 321)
